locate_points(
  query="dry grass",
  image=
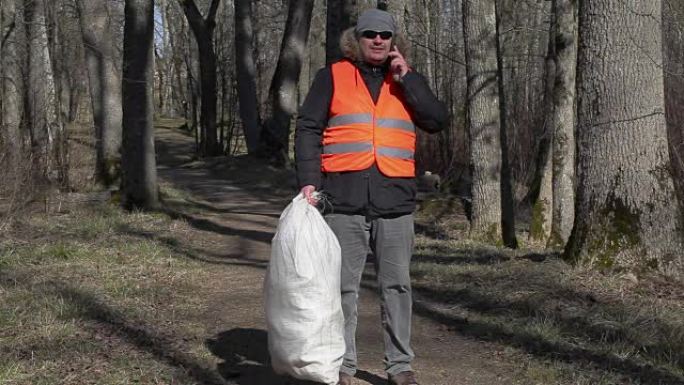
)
(567, 325)
(85, 299)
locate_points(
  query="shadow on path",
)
(207, 225)
(246, 360)
(240, 258)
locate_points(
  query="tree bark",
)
(542, 198)
(203, 29)
(193, 87)
(56, 21)
(673, 36)
(340, 15)
(626, 215)
(315, 57)
(105, 88)
(507, 198)
(177, 40)
(11, 81)
(424, 6)
(283, 91)
(564, 108)
(246, 74)
(42, 98)
(139, 177)
(166, 107)
(479, 23)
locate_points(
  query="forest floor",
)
(90, 294)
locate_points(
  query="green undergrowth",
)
(96, 296)
(563, 324)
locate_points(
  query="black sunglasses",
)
(384, 35)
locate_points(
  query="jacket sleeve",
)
(428, 112)
(311, 121)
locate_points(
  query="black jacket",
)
(366, 192)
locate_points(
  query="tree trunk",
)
(42, 98)
(56, 22)
(542, 198)
(246, 74)
(427, 37)
(564, 107)
(283, 90)
(105, 88)
(626, 214)
(11, 81)
(192, 70)
(673, 36)
(479, 23)
(203, 30)
(340, 15)
(177, 40)
(317, 47)
(139, 177)
(166, 87)
(507, 198)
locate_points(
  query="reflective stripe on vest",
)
(343, 120)
(341, 148)
(361, 133)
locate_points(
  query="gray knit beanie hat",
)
(375, 20)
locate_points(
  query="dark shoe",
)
(345, 379)
(403, 378)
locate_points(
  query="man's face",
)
(375, 46)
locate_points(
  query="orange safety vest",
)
(360, 132)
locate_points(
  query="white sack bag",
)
(302, 296)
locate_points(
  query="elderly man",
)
(355, 142)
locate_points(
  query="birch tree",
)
(42, 98)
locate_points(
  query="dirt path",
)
(236, 219)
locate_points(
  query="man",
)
(355, 143)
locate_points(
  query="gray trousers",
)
(391, 241)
